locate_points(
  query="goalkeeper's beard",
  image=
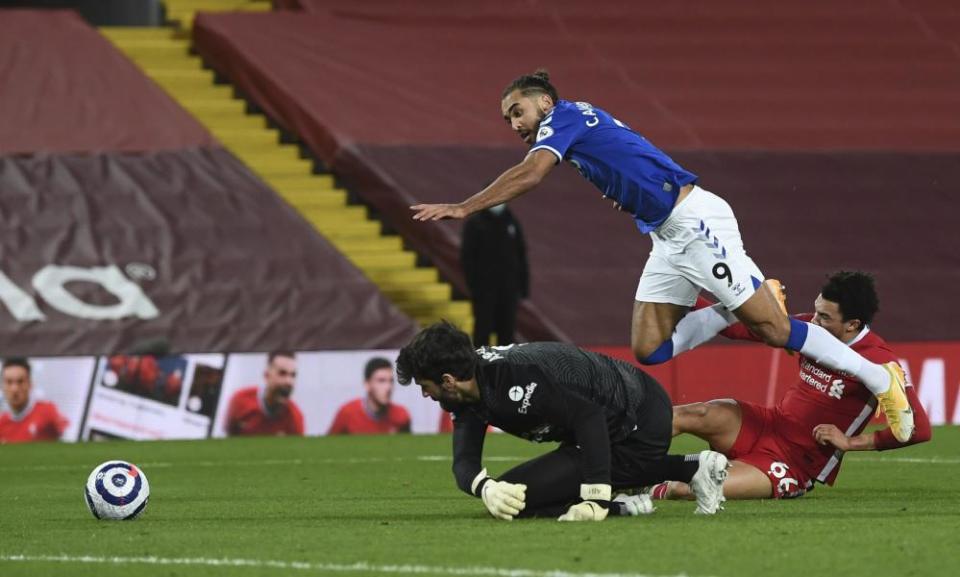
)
(451, 405)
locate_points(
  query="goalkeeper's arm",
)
(503, 500)
(594, 440)
(469, 432)
(589, 423)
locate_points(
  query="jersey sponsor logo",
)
(515, 394)
(836, 389)
(545, 132)
(525, 405)
(821, 380)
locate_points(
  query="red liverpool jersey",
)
(247, 415)
(39, 421)
(825, 396)
(353, 419)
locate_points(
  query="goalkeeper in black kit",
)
(613, 423)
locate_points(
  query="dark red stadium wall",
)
(226, 263)
(802, 216)
(402, 102)
(65, 88)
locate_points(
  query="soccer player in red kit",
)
(268, 409)
(28, 419)
(781, 452)
(374, 413)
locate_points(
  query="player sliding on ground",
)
(781, 452)
(696, 240)
(612, 420)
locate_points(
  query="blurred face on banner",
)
(279, 377)
(16, 387)
(380, 387)
(524, 113)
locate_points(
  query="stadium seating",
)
(417, 291)
(106, 175)
(783, 112)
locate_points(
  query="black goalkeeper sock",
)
(670, 468)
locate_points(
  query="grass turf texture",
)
(390, 501)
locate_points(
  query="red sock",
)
(660, 491)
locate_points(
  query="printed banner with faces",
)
(196, 396)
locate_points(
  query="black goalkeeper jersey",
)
(551, 392)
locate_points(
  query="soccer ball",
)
(117, 490)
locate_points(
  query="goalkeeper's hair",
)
(538, 82)
(855, 293)
(438, 349)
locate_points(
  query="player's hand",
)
(585, 511)
(504, 500)
(595, 504)
(428, 212)
(830, 435)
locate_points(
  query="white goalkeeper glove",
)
(594, 507)
(503, 500)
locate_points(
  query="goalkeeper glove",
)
(594, 507)
(503, 500)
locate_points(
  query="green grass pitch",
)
(389, 506)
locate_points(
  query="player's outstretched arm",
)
(509, 185)
(881, 440)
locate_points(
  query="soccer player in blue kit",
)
(696, 239)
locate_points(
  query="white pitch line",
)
(926, 460)
(360, 566)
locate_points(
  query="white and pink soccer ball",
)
(117, 490)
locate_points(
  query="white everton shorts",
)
(699, 247)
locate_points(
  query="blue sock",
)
(798, 335)
(663, 354)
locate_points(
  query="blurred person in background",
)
(27, 419)
(493, 255)
(267, 409)
(376, 412)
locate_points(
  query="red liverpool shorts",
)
(759, 445)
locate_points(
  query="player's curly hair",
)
(855, 293)
(538, 82)
(438, 349)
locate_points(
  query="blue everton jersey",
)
(624, 165)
